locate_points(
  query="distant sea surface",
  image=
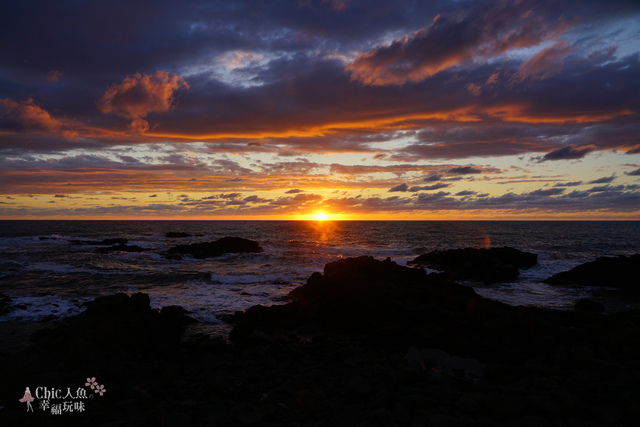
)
(47, 276)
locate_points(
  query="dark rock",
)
(378, 300)
(116, 324)
(177, 234)
(619, 272)
(120, 248)
(586, 304)
(333, 356)
(217, 248)
(5, 304)
(177, 315)
(493, 265)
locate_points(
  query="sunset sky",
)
(359, 109)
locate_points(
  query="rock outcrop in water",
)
(177, 234)
(381, 300)
(494, 265)
(217, 248)
(620, 272)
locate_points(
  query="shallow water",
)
(47, 275)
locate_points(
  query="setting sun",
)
(320, 216)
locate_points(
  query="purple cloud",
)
(569, 152)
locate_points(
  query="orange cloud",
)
(391, 122)
(523, 113)
(27, 115)
(485, 31)
(139, 95)
(545, 63)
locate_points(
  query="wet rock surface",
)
(492, 265)
(365, 343)
(216, 248)
(619, 272)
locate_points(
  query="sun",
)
(321, 216)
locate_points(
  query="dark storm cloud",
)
(464, 170)
(484, 30)
(429, 187)
(102, 38)
(476, 32)
(547, 192)
(404, 187)
(569, 152)
(400, 187)
(302, 100)
(568, 184)
(432, 178)
(603, 180)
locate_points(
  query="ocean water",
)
(49, 277)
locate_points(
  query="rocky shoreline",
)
(366, 342)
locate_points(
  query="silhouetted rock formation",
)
(217, 248)
(177, 234)
(619, 272)
(117, 322)
(365, 343)
(390, 304)
(493, 265)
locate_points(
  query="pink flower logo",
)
(91, 382)
(100, 390)
(97, 388)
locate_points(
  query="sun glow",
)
(321, 216)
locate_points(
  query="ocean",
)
(48, 275)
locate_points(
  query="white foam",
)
(206, 302)
(39, 307)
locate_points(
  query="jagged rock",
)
(362, 296)
(217, 248)
(116, 323)
(619, 272)
(493, 265)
